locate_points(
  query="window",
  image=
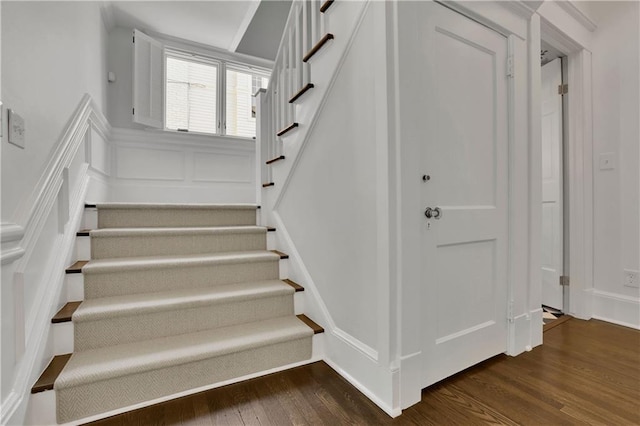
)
(193, 100)
(240, 117)
(191, 95)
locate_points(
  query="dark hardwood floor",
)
(587, 372)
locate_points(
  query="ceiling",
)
(256, 26)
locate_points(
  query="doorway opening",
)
(554, 238)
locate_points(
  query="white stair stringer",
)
(104, 379)
(123, 319)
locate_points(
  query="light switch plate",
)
(16, 129)
(607, 161)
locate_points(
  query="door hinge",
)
(133, 111)
(564, 280)
(134, 37)
(510, 68)
(563, 89)
(510, 311)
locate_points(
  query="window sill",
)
(200, 135)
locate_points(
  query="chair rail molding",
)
(22, 235)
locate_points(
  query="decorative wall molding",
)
(569, 7)
(166, 138)
(31, 217)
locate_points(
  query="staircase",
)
(174, 298)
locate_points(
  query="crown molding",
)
(569, 7)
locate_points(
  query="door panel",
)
(552, 251)
(464, 128)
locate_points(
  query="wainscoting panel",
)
(157, 166)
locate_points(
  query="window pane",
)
(241, 105)
(191, 96)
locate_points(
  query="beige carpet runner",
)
(176, 297)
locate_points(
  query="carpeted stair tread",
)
(128, 215)
(133, 358)
(150, 232)
(139, 304)
(160, 262)
(167, 206)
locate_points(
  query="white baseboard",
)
(525, 332)
(616, 308)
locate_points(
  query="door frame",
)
(578, 164)
(521, 22)
(524, 317)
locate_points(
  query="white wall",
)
(170, 167)
(329, 208)
(54, 53)
(616, 130)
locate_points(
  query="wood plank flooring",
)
(587, 372)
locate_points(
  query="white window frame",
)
(221, 81)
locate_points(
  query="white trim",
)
(11, 232)
(162, 138)
(569, 7)
(616, 308)
(33, 214)
(206, 50)
(11, 255)
(365, 349)
(385, 407)
(242, 28)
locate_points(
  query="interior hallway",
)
(587, 372)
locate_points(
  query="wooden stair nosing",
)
(65, 313)
(265, 185)
(281, 254)
(76, 268)
(315, 49)
(297, 287)
(287, 129)
(273, 160)
(301, 92)
(326, 5)
(313, 325)
(51, 373)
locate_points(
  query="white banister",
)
(304, 28)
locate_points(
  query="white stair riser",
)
(271, 241)
(41, 409)
(135, 246)
(75, 287)
(148, 218)
(90, 218)
(83, 248)
(62, 338)
(284, 269)
(298, 302)
(123, 391)
(124, 282)
(135, 328)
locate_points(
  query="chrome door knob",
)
(435, 213)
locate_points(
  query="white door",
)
(464, 251)
(551, 184)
